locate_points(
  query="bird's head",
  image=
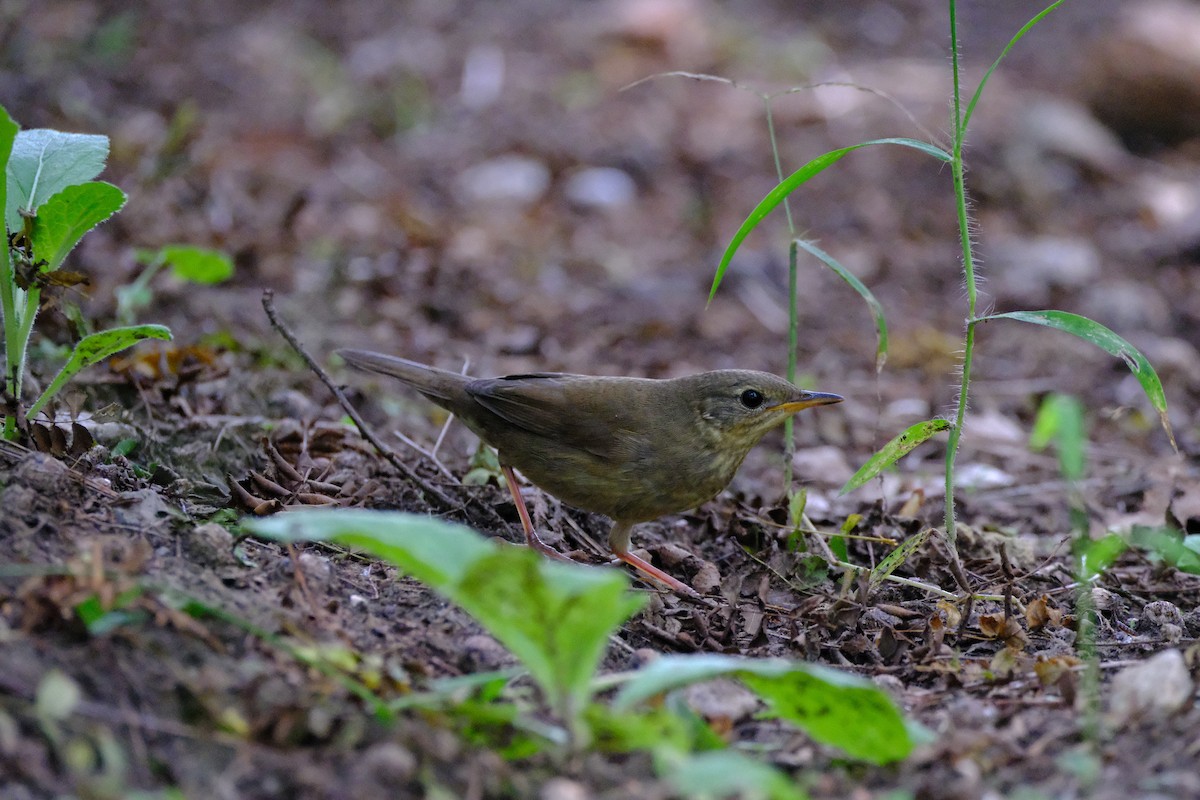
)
(739, 406)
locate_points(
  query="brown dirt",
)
(329, 149)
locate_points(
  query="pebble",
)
(1029, 270)
(563, 789)
(1142, 78)
(520, 180)
(1126, 305)
(600, 188)
(1151, 690)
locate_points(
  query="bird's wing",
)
(563, 407)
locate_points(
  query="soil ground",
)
(465, 182)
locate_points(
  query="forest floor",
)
(472, 183)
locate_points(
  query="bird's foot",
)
(646, 567)
(535, 542)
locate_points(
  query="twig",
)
(916, 584)
(268, 302)
(427, 453)
(446, 426)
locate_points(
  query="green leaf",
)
(894, 450)
(197, 264)
(44, 162)
(1109, 342)
(800, 176)
(64, 219)
(728, 773)
(8, 135)
(833, 707)
(555, 617)
(1097, 556)
(894, 559)
(1060, 419)
(93, 349)
(881, 332)
(659, 730)
(1178, 550)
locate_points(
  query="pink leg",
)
(618, 542)
(531, 537)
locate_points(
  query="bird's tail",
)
(436, 384)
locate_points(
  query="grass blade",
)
(800, 176)
(1091, 331)
(894, 450)
(1011, 43)
(881, 348)
(894, 559)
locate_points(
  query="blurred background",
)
(455, 181)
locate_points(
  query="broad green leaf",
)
(93, 349)
(197, 264)
(856, 716)
(800, 176)
(1179, 550)
(555, 617)
(1097, 556)
(894, 559)
(8, 135)
(1092, 331)
(894, 450)
(729, 773)
(833, 707)
(44, 162)
(881, 335)
(67, 216)
(1011, 43)
(1060, 419)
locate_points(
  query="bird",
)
(632, 449)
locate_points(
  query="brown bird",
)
(632, 449)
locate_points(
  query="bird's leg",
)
(531, 537)
(618, 542)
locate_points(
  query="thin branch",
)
(268, 302)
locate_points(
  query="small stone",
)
(563, 789)
(1127, 305)
(1162, 612)
(389, 764)
(317, 570)
(982, 476)
(1029, 270)
(1151, 690)
(482, 653)
(519, 180)
(721, 699)
(600, 188)
(209, 545)
(825, 464)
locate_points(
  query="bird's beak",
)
(805, 400)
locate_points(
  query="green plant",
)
(187, 263)
(1060, 421)
(50, 201)
(557, 618)
(1081, 327)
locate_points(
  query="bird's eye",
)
(751, 398)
